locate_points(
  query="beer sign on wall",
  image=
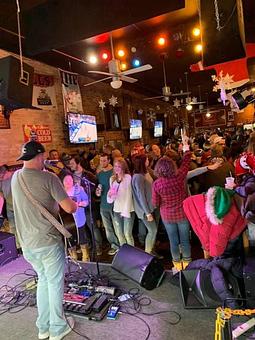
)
(39, 133)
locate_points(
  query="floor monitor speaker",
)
(197, 290)
(139, 266)
(8, 251)
(15, 91)
(249, 281)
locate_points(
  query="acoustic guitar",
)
(68, 221)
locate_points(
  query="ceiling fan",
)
(193, 101)
(166, 91)
(115, 72)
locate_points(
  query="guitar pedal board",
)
(91, 305)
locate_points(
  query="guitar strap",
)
(42, 210)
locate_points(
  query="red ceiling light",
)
(105, 56)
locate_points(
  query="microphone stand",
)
(88, 184)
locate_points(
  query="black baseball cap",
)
(30, 150)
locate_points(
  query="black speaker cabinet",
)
(249, 281)
(139, 266)
(15, 91)
(197, 290)
(8, 251)
(227, 43)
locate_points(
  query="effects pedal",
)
(100, 303)
(80, 307)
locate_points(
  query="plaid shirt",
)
(169, 193)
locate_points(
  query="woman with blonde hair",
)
(120, 194)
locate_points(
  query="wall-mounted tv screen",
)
(135, 129)
(82, 128)
(158, 128)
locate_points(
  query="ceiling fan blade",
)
(97, 81)
(137, 69)
(192, 103)
(128, 79)
(153, 97)
(100, 72)
(180, 94)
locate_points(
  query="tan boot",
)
(73, 254)
(177, 266)
(206, 254)
(85, 253)
(185, 264)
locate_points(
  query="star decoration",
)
(101, 104)
(113, 100)
(151, 116)
(177, 103)
(194, 100)
(188, 100)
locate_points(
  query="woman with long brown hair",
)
(142, 192)
(120, 194)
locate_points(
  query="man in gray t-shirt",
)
(41, 242)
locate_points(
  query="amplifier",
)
(8, 251)
(249, 281)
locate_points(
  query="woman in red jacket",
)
(169, 192)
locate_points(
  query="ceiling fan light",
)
(166, 99)
(116, 84)
(189, 107)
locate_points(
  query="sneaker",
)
(70, 326)
(112, 251)
(42, 336)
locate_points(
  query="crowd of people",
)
(149, 188)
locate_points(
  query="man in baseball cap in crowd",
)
(30, 150)
(41, 242)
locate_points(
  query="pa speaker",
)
(139, 266)
(227, 42)
(8, 251)
(15, 89)
(249, 281)
(197, 290)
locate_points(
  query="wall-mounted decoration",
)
(71, 93)
(215, 118)
(231, 116)
(44, 96)
(40, 133)
(4, 120)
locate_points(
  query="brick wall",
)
(12, 139)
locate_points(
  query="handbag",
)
(42, 210)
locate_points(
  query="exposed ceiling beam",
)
(57, 24)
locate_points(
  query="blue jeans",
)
(142, 228)
(178, 233)
(124, 228)
(49, 264)
(108, 220)
(151, 234)
(97, 233)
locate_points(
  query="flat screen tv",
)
(135, 130)
(158, 128)
(82, 128)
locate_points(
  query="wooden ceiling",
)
(133, 23)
